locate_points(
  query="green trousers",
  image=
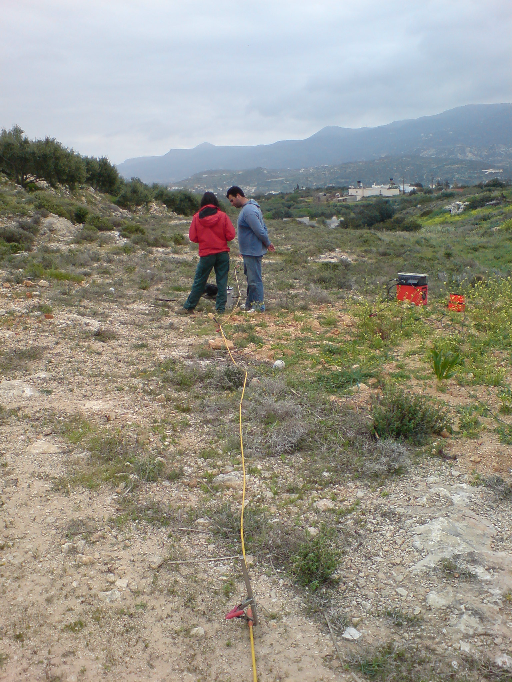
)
(218, 262)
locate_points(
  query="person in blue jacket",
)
(253, 243)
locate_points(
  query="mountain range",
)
(480, 132)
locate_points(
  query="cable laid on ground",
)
(253, 653)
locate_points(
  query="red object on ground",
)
(457, 303)
(235, 613)
(412, 287)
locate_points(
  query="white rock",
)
(155, 561)
(313, 531)
(438, 601)
(465, 646)
(43, 447)
(324, 505)
(197, 632)
(122, 583)
(232, 480)
(503, 661)
(10, 390)
(110, 596)
(43, 283)
(278, 364)
(351, 633)
(403, 593)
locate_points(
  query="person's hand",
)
(271, 247)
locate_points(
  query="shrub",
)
(81, 214)
(130, 229)
(315, 561)
(403, 415)
(100, 223)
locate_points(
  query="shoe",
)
(248, 311)
(184, 311)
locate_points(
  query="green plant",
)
(81, 214)
(444, 363)
(401, 414)
(315, 561)
(75, 626)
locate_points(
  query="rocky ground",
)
(119, 574)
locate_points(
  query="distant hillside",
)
(404, 168)
(480, 132)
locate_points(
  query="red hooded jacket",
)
(212, 230)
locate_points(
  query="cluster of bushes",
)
(23, 161)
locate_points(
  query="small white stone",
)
(402, 592)
(278, 364)
(313, 531)
(351, 633)
(465, 646)
(324, 505)
(197, 632)
(122, 583)
(503, 661)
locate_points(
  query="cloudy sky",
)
(128, 78)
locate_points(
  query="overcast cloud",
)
(128, 78)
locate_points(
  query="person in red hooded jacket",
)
(212, 230)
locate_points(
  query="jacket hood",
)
(209, 215)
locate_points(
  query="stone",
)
(43, 283)
(475, 459)
(122, 583)
(197, 632)
(110, 596)
(233, 480)
(503, 661)
(85, 560)
(403, 593)
(313, 531)
(155, 561)
(67, 548)
(43, 447)
(465, 646)
(324, 505)
(278, 364)
(218, 344)
(13, 389)
(437, 600)
(351, 634)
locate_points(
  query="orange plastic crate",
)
(457, 303)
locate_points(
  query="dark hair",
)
(209, 198)
(234, 191)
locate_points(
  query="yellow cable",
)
(253, 653)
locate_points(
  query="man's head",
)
(236, 197)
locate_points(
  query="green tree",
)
(134, 193)
(15, 155)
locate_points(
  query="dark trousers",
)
(218, 262)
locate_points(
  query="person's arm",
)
(254, 222)
(192, 233)
(229, 230)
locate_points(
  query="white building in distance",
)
(360, 192)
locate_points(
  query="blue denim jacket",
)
(252, 231)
